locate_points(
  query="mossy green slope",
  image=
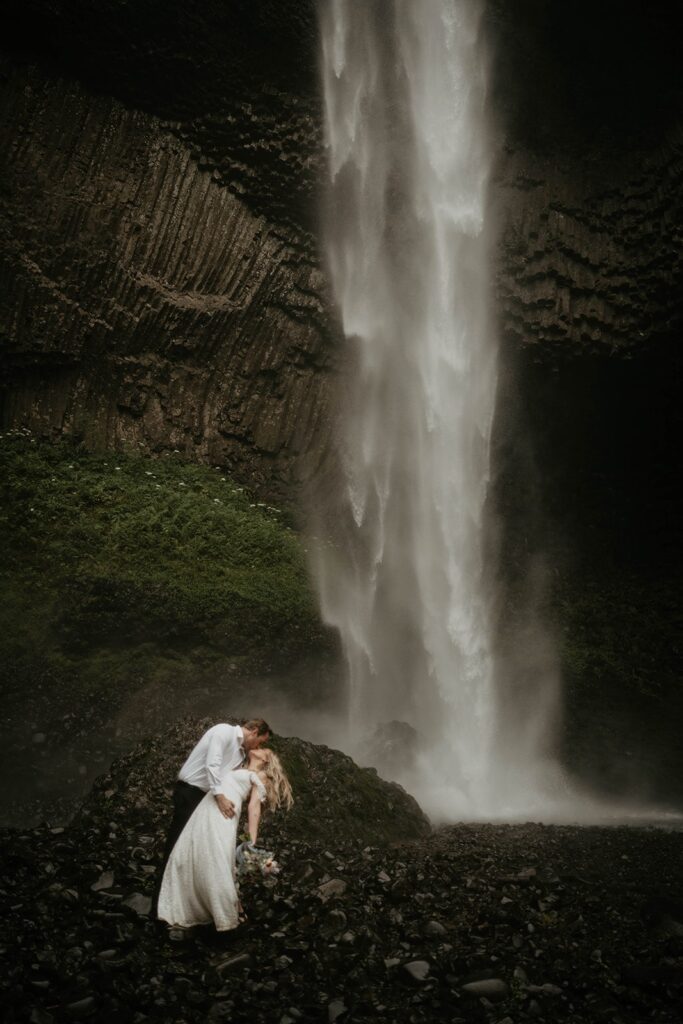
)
(114, 563)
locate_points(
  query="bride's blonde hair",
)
(278, 789)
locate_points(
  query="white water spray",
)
(407, 249)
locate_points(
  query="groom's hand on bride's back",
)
(225, 806)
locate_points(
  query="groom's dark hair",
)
(259, 724)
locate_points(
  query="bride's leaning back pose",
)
(198, 885)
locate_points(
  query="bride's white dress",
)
(199, 881)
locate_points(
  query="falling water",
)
(406, 237)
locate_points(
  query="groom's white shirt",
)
(220, 747)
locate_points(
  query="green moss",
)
(115, 564)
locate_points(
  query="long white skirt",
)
(198, 886)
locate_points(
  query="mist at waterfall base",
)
(436, 701)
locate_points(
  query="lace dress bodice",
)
(238, 783)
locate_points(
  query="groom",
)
(222, 746)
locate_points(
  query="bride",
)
(198, 885)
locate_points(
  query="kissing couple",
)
(229, 766)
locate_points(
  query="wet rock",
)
(334, 923)
(546, 990)
(493, 989)
(221, 1010)
(418, 970)
(139, 903)
(392, 747)
(336, 887)
(81, 1008)
(39, 1016)
(435, 929)
(233, 964)
(105, 881)
(335, 1010)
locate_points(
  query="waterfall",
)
(406, 239)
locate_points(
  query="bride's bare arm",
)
(254, 814)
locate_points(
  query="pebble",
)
(435, 928)
(81, 1008)
(417, 969)
(233, 963)
(334, 923)
(335, 1010)
(39, 1016)
(489, 988)
(105, 881)
(546, 990)
(328, 890)
(139, 903)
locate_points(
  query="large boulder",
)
(336, 802)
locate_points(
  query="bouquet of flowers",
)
(253, 862)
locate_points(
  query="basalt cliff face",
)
(144, 302)
(162, 284)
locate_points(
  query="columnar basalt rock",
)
(145, 304)
(161, 280)
(588, 252)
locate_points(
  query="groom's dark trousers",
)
(185, 799)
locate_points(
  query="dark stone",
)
(418, 970)
(493, 989)
(81, 1008)
(435, 929)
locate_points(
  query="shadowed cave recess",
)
(162, 290)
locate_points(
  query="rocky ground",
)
(374, 917)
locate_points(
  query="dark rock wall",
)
(161, 279)
(590, 259)
(143, 302)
